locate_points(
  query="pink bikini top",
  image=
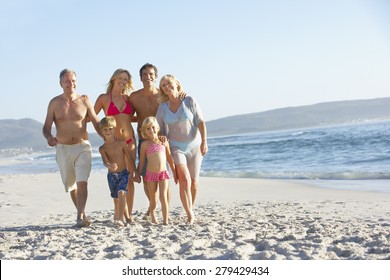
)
(155, 148)
(113, 110)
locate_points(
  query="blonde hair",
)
(148, 122)
(108, 121)
(129, 85)
(163, 97)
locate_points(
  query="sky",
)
(233, 57)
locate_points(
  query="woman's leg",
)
(130, 186)
(185, 190)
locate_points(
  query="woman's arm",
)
(203, 134)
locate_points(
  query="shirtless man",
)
(69, 112)
(145, 104)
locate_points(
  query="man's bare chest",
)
(70, 111)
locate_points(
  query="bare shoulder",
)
(144, 144)
(136, 94)
(102, 148)
(57, 98)
(56, 101)
(102, 96)
(85, 99)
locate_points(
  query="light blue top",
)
(181, 127)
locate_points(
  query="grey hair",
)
(66, 71)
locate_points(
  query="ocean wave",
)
(300, 175)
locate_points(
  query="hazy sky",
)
(233, 57)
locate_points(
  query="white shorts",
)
(193, 160)
(74, 162)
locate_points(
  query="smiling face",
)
(169, 86)
(121, 81)
(148, 77)
(151, 132)
(108, 132)
(68, 82)
(150, 128)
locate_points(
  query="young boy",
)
(114, 153)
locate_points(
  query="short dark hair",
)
(148, 65)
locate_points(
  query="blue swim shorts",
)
(117, 181)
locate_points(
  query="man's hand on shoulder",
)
(182, 95)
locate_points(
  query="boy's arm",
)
(111, 166)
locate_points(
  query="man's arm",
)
(91, 115)
(46, 130)
(131, 101)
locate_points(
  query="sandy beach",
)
(236, 219)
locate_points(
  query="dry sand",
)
(236, 219)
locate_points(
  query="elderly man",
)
(70, 113)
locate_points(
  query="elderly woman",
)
(182, 122)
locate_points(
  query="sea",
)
(353, 156)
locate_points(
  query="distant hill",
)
(21, 133)
(27, 133)
(328, 113)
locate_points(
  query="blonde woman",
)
(115, 102)
(182, 122)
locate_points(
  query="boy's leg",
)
(116, 212)
(121, 204)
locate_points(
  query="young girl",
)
(156, 154)
(114, 153)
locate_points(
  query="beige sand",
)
(237, 219)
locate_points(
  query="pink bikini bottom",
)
(156, 176)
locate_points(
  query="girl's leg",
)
(164, 187)
(185, 190)
(152, 189)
